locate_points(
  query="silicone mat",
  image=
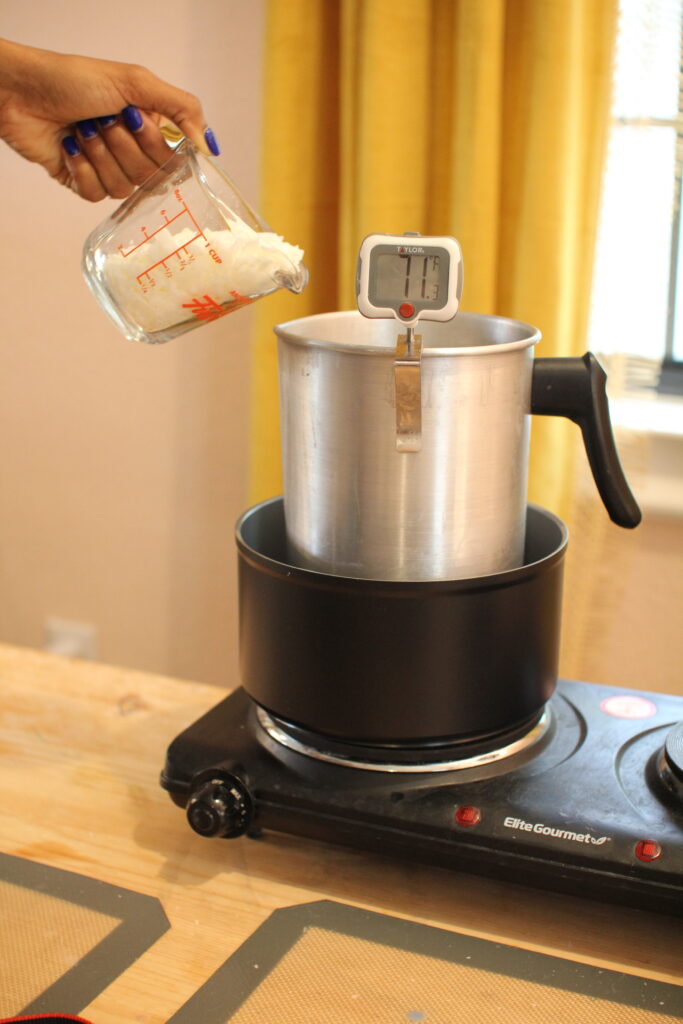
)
(328, 963)
(64, 937)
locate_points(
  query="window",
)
(637, 304)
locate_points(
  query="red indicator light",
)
(648, 850)
(467, 816)
(407, 310)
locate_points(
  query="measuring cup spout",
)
(295, 281)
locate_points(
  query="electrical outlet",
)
(71, 639)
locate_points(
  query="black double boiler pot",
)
(398, 664)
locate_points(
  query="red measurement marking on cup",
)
(240, 300)
(181, 254)
(184, 211)
(205, 308)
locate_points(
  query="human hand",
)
(94, 125)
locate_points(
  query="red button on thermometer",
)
(409, 277)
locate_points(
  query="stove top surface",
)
(592, 803)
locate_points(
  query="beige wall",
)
(123, 467)
(623, 599)
(623, 592)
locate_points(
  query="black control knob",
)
(671, 762)
(220, 806)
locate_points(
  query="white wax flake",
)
(170, 277)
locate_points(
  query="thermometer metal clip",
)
(409, 277)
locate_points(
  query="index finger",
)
(146, 132)
(181, 108)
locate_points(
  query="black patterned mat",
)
(65, 937)
(328, 963)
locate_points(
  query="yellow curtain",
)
(482, 119)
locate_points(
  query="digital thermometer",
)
(410, 277)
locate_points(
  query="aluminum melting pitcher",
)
(405, 455)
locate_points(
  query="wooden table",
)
(81, 747)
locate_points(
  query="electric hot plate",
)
(587, 798)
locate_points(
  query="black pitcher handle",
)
(576, 388)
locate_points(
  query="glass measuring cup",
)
(183, 250)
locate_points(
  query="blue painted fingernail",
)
(107, 121)
(87, 128)
(211, 142)
(132, 118)
(70, 145)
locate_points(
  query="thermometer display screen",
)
(412, 278)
